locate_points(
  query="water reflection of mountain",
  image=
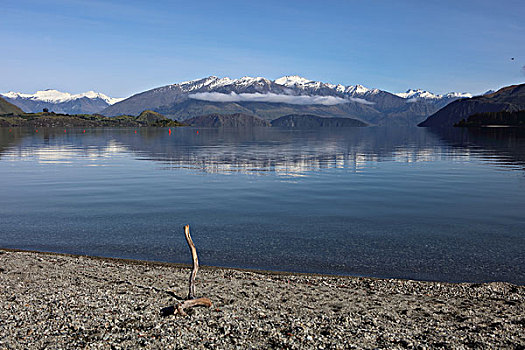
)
(54, 146)
(266, 150)
(7, 139)
(502, 146)
(287, 152)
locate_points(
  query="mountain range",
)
(271, 99)
(60, 102)
(267, 99)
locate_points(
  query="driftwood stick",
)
(186, 304)
(190, 302)
(178, 309)
(191, 293)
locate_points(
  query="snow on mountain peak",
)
(458, 95)
(289, 81)
(93, 95)
(357, 89)
(292, 80)
(12, 94)
(195, 81)
(215, 82)
(220, 82)
(51, 95)
(340, 88)
(413, 95)
(196, 84)
(251, 80)
(55, 96)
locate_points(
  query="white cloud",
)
(275, 98)
(361, 100)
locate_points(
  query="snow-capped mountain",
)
(295, 81)
(293, 94)
(268, 99)
(413, 95)
(61, 102)
(289, 85)
(56, 96)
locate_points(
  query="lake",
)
(383, 202)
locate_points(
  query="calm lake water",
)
(408, 203)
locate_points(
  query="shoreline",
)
(212, 267)
(242, 269)
(71, 301)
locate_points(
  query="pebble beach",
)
(51, 301)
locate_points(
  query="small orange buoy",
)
(135, 131)
(64, 130)
(197, 131)
(84, 131)
(169, 130)
(36, 130)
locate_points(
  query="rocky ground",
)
(61, 301)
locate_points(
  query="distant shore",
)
(58, 120)
(59, 300)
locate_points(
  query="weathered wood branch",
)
(191, 292)
(190, 301)
(186, 304)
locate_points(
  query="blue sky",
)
(124, 47)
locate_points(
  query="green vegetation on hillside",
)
(50, 120)
(516, 118)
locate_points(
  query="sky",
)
(121, 48)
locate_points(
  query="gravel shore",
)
(69, 302)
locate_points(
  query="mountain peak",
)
(458, 95)
(197, 81)
(251, 80)
(357, 89)
(211, 82)
(291, 80)
(55, 96)
(413, 95)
